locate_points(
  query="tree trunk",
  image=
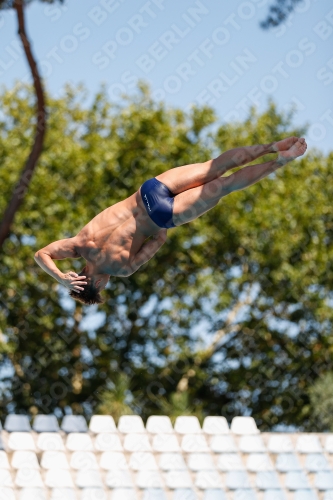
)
(23, 184)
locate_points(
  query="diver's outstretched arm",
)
(58, 250)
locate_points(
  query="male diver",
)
(115, 242)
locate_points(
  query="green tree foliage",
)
(279, 12)
(231, 316)
(116, 400)
(321, 398)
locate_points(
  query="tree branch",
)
(209, 351)
(22, 186)
(229, 326)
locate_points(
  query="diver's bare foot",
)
(284, 144)
(297, 149)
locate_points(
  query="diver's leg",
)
(194, 202)
(181, 179)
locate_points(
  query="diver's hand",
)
(72, 281)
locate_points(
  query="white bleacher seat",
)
(215, 425)
(32, 494)
(17, 423)
(58, 478)
(178, 479)
(63, 494)
(329, 444)
(108, 442)
(74, 423)
(25, 459)
(7, 494)
(83, 460)
(77, 441)
(236, 480)
(184, 494)
(88, 479)
(54, 460)
(6, 478)
(308, 443)
(154, 494)
(208, 479)
(123, 494)
(316, 462)
(93, 494)
(280, 444)
(229, 461)
(194, 443)
(287, 462)
(166, 443)
(49, 441)
(142, 461)
(324, 480)
(28, 478)
(136, 442)
(4, 464)
(118, 479)
(148, 479)
(268, 480)
(244, 426)
(305, 495)
(245, 494)
(251, 444)
(21, 441)
(215, 494)
(187, 425)
(328, 495)
(275, 495)
(158, 424)
(45, 423)
(223, 444)
(102, 423)
(172, 461)
(200, 461)
(129, 424)
(113, 460)
(296, 480)
(257, 462)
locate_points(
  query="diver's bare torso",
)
(112, 238)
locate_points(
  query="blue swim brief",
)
(158, 200)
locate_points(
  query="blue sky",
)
(193, 51)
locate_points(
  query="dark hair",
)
(90, 295)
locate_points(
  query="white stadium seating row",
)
(131, 424)
(188, 443)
